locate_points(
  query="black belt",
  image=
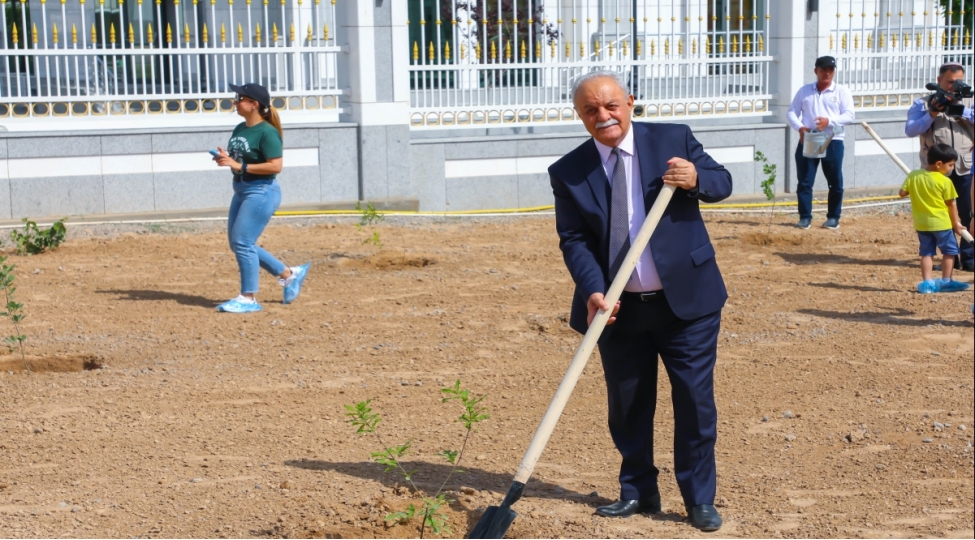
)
(248, 178)
(651, 296)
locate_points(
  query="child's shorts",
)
(943, 240)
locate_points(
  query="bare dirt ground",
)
(845, 398)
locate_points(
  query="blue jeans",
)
(250, 210)
(832, 169)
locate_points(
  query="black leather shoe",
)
(704, 517)
(625, 509)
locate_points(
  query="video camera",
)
(949, 102)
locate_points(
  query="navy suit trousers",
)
(629, 354)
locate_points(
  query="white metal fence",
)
(163, 57)
(475, 63)
(887, 50)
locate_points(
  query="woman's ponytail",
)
(271, 117)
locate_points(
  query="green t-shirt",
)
(929, 191)
(255, 144)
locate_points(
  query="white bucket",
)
(814, 144)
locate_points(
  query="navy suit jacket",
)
(681, 248)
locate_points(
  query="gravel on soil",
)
(843, 395)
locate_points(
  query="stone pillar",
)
(375, 65)
(787, 43)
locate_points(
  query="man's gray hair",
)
(617, 77)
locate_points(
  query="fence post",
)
(788, 46)
(375, 65)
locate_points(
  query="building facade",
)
(109, 106)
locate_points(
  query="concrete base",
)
(168, 172)
(161, 170)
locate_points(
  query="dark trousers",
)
(629, 355)
(963, 185)
(832, 170)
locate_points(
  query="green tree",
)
(953, 10)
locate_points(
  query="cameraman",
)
(927, 119)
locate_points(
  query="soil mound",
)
(389, 260)
(50, 364)
(762, 239)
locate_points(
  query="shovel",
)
(907, 170)
(496, 520)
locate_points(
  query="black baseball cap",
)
(254, 91)
(826, 62)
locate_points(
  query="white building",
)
(110, 106)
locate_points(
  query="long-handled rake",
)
(496, 520)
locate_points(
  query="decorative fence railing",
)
(886, 57)
(474, 63)
(163, 57)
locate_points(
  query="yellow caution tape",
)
(549, 207)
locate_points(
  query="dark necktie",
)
(619, 219)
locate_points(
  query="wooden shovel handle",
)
(578, 364)
(885, 148)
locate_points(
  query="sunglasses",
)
(239, 98)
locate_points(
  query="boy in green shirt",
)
(935, 217)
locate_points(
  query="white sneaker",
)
(241, 304)
(284, 282)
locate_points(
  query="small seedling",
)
(362, 417)
(768, 186)
(370, 216)
(12, 309)
(374, 240)
(33, 240)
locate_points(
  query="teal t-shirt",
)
(255, 144)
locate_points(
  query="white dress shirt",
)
(645, 277)
(835, 104)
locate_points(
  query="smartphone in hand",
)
(214, 153)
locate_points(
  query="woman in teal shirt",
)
(255, 156)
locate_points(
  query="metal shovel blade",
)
(496, 519)
(494, 523)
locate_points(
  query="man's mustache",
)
(606, 124)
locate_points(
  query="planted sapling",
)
(430, 512)
(370, 216)
(768, 187)
(12, 309)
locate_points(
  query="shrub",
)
(33, 240)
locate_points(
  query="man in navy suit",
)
(671, 305)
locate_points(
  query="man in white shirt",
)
(822, 106)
